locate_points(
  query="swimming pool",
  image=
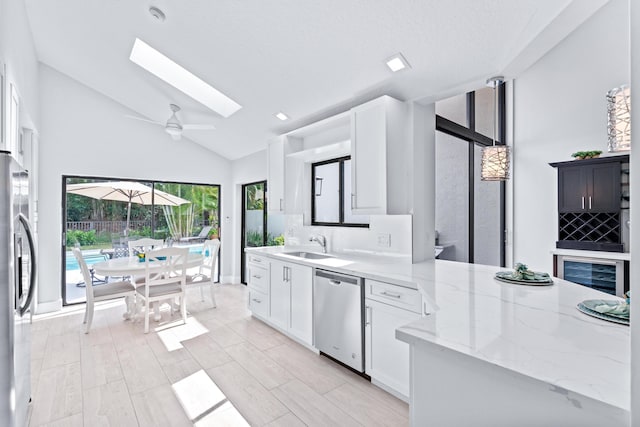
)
(71, 263)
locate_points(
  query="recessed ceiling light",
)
(397, 62)
(182, 79)
(282, 116)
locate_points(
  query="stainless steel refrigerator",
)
(17, 287)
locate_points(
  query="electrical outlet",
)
(384, 240)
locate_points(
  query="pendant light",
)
(495, 158)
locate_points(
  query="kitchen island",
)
(493, 353)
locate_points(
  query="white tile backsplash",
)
(396, 229)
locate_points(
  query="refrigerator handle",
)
(32, 256)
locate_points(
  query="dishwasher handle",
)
(340, 278)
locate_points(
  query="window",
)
(331, 194)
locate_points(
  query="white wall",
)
(635, 218)
(251, 168)
(560, 108)
(85, 133)
(18, 52)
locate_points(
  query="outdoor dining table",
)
(132, 266)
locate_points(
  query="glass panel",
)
(452, 197)
(350, 218)
(598, 276)
(486, 219)
(484, 111)
(254, 215)
(275, 230)
(454, 109)
(326, 193)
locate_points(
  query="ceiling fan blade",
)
(198, 127)
(142, 119)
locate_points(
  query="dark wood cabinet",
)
(589, 203)
(589, 188)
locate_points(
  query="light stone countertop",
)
(536, 331)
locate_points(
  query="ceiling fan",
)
(173, 126)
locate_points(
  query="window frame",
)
(340, 222)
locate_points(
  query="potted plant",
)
(586, 154)
(214, 233)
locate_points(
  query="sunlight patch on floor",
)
(204, 403)
(173, 334)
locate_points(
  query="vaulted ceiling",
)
(307, 58)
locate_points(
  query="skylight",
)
(182, 79)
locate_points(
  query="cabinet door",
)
(259, 303)
(572, 192)
(386, 358)
(603, 187)
(368, 158)
(302, 302)
(275, 178)
(280, 294)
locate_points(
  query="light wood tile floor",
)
(223, 368)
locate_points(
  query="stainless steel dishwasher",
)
(337, 309)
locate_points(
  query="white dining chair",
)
(107, 291)
(144, 245)
(206, 274)
(165, 279)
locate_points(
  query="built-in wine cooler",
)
(604, 275)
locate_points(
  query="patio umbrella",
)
(125, 191)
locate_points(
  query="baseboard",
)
(390, 390)
(48, 306)
(229, 279)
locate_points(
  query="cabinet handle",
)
(255, 276)
(391, 294)
(281, 204)
(256, 300)
(583, 202)
(589, 202)
(335, 282)
(424, 309)
(367, 315)
(256, 260)
(284, 274)
(353, 200)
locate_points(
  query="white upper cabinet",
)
(378, 155)
(275, 179)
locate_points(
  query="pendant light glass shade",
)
(619, 119)
(495, 163)
(495, 158)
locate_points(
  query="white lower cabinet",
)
(259, 303)
(386, 358)
(258, 284)
(291, 294)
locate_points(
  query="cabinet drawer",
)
(259, 278)
(258, 260)
(397, 296)
(258, 303)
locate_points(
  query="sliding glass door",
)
(100, 216)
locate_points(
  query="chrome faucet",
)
(322, 240)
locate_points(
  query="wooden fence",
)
(106, 226)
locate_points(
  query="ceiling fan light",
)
(173, 129)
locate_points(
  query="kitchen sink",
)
(308, 255)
